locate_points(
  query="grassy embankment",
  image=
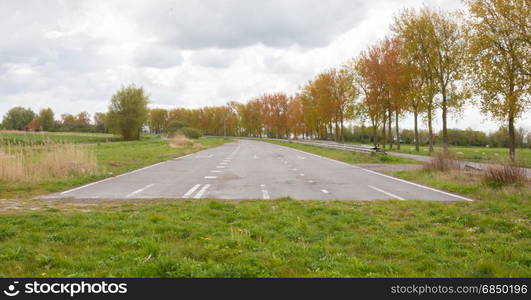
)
(285, 238)
(348, 156)
(111, 156)
(476, 154)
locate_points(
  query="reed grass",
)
(50, 160)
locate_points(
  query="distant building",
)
(33, 126)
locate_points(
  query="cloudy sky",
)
(73, 55)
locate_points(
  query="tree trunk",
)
(417, 142)
(384, 136)
(444, 130)
(337, 131)
(390, 134)
(374, 133)
(430, 129)
(397, 131)
(512, 138)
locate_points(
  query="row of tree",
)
(456, 137)
(432, 61)
(20, 118)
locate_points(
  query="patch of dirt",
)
(389, 168)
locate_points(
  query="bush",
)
(191, 133)
(442, 162)
(504, 174)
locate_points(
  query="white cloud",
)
(73, 55)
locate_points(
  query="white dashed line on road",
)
(202, 191)
(216, 171)
(211, 177)
(301, 174)
(387, 193)
(191, 191)
(220, 167)
(325, 191)
(139, 190)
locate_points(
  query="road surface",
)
(248, 169)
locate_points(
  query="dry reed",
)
(41, 162)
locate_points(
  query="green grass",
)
(467, 183)
(279, 238)
(33, 138)
(348, 156)
(478, 154)
(113, 158)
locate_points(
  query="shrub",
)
(191, 133)
(504, 174)
(441, 161)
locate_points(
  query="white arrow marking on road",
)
(387, 193)
(139, 190)
(190, 191)
(201, 191)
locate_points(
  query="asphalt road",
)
(249, 169)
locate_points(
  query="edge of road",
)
(380, 174)
(126, 173)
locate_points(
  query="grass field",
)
(113, 158)
(477, 154)
(278, 238)
(348, 156)
(23, 138)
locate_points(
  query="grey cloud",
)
(233, 23)
(214, 58)
(158, 56)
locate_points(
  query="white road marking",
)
(255, 157)
(223, 163)
(301, 157)
(124, 174)
(204, 156)
(216, 171)
(387, 176)
(301, 174)
(294, 169)
(191, 191)
(387, 193)
(324, 191)
(220, 167)
(265, 193)
(310, 181)
(139, 190)
(201, 191)
(211, 177)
